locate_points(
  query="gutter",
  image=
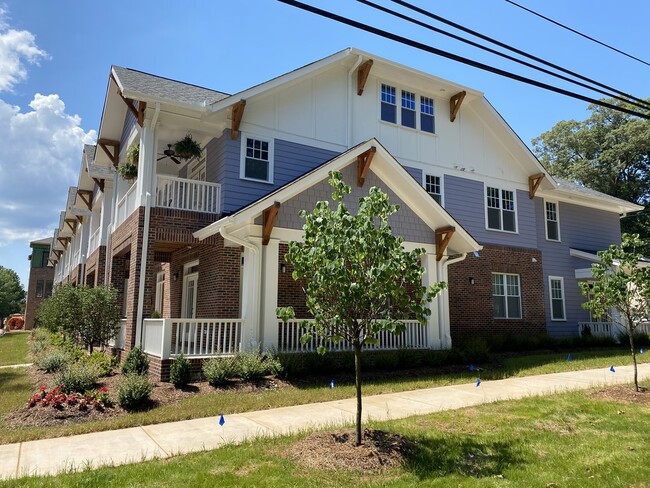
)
(443, 304)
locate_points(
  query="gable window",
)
(257, 159)
(552, 222)
(408, 109)
(433, 186)
(501, 214)
(427, 120)
(506, 296)
(388, 104)
(556, 291)
(40, 288)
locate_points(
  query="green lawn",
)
(562, 440)
(302, 393)
(13, 348)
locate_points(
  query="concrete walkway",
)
(14, 366)
(50, 456)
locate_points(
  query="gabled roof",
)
(572, 188)
(387, 168)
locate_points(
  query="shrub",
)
(77, 378)
(52, 360)
(218, 371)
(41, 339)
(253, 366)
(100, 361)
(476, 350)
(181, 371)
(134, 391)
(136, 362)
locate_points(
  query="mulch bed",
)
(623, 394)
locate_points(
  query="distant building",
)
(41, 277)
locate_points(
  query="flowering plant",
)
(56, 398)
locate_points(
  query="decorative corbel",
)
(362, 76)
(443, 237)
(454, 104)
(113, 156)
(237, 114)
(268, 221)
(363, 164)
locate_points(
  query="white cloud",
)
(17, 48)
(40, 157)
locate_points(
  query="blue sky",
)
(55, 58)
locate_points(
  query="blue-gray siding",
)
(129, 124)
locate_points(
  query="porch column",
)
(430, 277)
(269, 332)
(444, 322)
(250, 299)
(146, 166)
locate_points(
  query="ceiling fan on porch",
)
(169, 153)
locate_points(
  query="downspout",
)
(110, 229)
(443, 305)
(350, 97)
(143, 268)
(257, 286)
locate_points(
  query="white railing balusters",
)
(184, 194)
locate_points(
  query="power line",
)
(512, 49)
(645, 105)
(455, 57)
(578, 32)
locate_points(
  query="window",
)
(552, 222)
(556, 291)
(257, 159)
(408, 109)
(388, 104)
(501, 213)
(48, 288)
(412, 114)
(160, 292)
(433, 186)
(40, 288)
(506, 296)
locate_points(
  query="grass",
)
(229, 402)
(568, 439)
(13, 348)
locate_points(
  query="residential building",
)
(41, 279)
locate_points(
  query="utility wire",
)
(455, 57)
(578, 32)
(513, 49)
(645, 105)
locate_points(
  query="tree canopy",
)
(608, 152)
(12, 293)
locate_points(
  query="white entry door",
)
(190, 282)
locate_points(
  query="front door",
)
(190, 282)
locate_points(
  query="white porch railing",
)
(120, 339)
(167, 338)
(289, 334)
(93, 242)
(609, 329)
(185, 194)
(126, 206)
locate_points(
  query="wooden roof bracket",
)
(100, 184)
(362, 76)
(57, 252)
(142, 106)
(268, 221)
(113, 156)
(87, 197)
(363, 164)
(237, 114)
(454, 104)
(443, 237)
(72, 223)
(64, 241)
(533, 184)
(137, 113)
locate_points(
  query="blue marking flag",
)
(332, 384)
(478, 382)
(471, 367)
(221, 420)
(476, 254)
(569, 358)
(612, 369)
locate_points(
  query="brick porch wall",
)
(95, 267)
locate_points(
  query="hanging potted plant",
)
(133, 153)
(128, 171)
(187, 148)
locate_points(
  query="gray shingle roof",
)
(164, 88)
(574, 187)
(89, 150)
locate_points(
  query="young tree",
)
(358, 278)
(12, 294)
(61, 311)
(100, 316)
(622, 284)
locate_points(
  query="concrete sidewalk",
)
(50, 456)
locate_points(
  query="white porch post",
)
(430, 277)
(250, 299)
(147, 163)
(269, 322)
(444, 322)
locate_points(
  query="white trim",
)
(159, 299)
(550, 297)
(186, 279)
(242, 157)
(505, 296)
(587, 256)
(557, 220)
(514, 201)
(399, 88)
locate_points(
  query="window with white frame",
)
(552, 221)
(257, 159)
(416, 112)
(433, 186)
(501, 213)
(506, 296)
(160, 292)
(556, 292)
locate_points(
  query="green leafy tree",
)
(608, 152)
(12, 293)
(622, 284)
(358, 279)
(61, 311)
(100, 316)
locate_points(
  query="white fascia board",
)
(587, 256)
(583, 274)
(575, 198)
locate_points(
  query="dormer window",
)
(415, 111)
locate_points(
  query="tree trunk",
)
(636, 376)
(357, 382)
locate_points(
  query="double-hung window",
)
(501, 213)
(257, 159)
(388, 104)
(433, 186)
(506, 296)
(415, 111)
(552, 222)
(556, 292)
(408, 109)
(427, 120)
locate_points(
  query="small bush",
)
(134, 392)
(640, 339)
(99, 361)
(136, 362)
(181, 371)
(52, 360)
(77, 378)
(476, 350)
(253, 366)
(218, 371)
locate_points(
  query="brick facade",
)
(95, 267)
(33, 302)
(290, 291)
(470, 305)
